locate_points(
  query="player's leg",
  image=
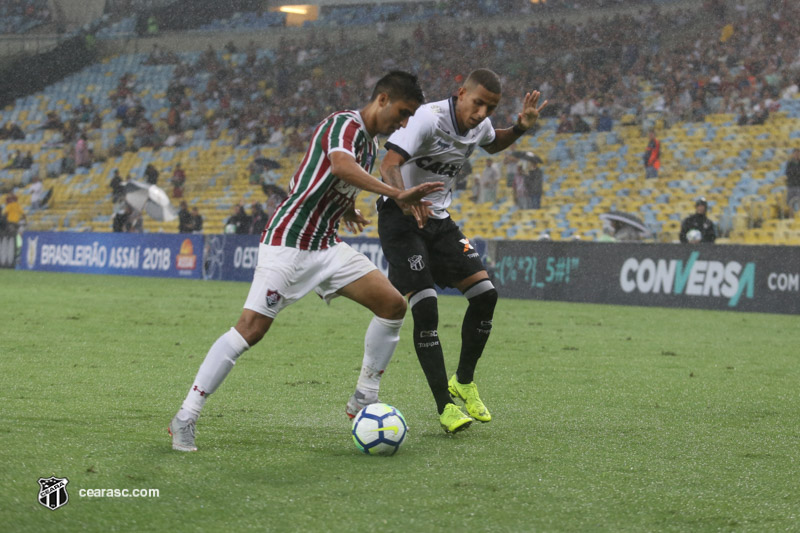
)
(425, 310)
(406, 251)
(374, 292)
(218, 362)
(267, 296)
(475, 330)
(457, 264)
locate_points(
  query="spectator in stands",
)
(238, 222)
(36, 190)
(521, 198)
(488, 182)
(12, 131)
(258, 219)
(652, 156)
(534, 185)
(178, 180)
(27, 161)
(174, 120)
(15, 160)
(68, 160)
(760, 114)
(53, 121)
(260, 136)
(793, 182)
(604, 121)
(145, 135)
(135, 221)
(120, 220)
(564, 124)
(15, 216)
(579, 125)
(119, 145)
(151, 174)
(82, 158)
(197, 221)
(698, 227)
(698, 112)
(185, 222)
(117, 187)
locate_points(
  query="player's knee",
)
(425, 309)
(482, 297)
(253, 326)
(393, 308)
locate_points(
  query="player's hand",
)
(530, 110)
(411, 201)
(419, 211)
(354, 221)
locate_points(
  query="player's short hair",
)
(485, 77)
(399, 85)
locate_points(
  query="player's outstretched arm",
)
(344, 167)
(525, 121)
(390, 171)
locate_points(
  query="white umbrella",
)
(151, 199)
(629, 220)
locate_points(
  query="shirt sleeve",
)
(341, 134)
(407, 141)
(487, 133)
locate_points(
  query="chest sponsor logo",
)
(437, 167)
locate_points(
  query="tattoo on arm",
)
(394, 177)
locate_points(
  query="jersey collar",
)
(364, 126)
(453, 101)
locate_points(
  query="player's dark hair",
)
(485, 77)
(399, 85)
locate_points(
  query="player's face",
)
(474, 105)
(394, 114)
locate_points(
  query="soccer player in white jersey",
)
(300, 250)
(430, 251)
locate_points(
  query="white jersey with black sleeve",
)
(435, 150)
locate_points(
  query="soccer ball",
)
(379, 429)
(694, 236)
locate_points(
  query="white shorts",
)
(284, 275)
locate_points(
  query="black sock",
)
(476, 328)
(429, 350)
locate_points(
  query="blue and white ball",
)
(379, 429)
(694, 236)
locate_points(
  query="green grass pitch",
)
(605, 418)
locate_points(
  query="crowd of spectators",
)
(19, 16)
(742, 62)
(594, 71)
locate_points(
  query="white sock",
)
(379, 343)
(218, 362)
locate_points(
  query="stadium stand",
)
(22, 16)
(737, 165)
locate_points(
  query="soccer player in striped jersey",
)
(438, 140)
(300, 251)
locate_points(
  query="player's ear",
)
(383, 99)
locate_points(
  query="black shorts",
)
(419, 258)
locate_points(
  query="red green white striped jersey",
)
(309, 217)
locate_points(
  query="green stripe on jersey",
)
(305, 176)
(310, 204)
